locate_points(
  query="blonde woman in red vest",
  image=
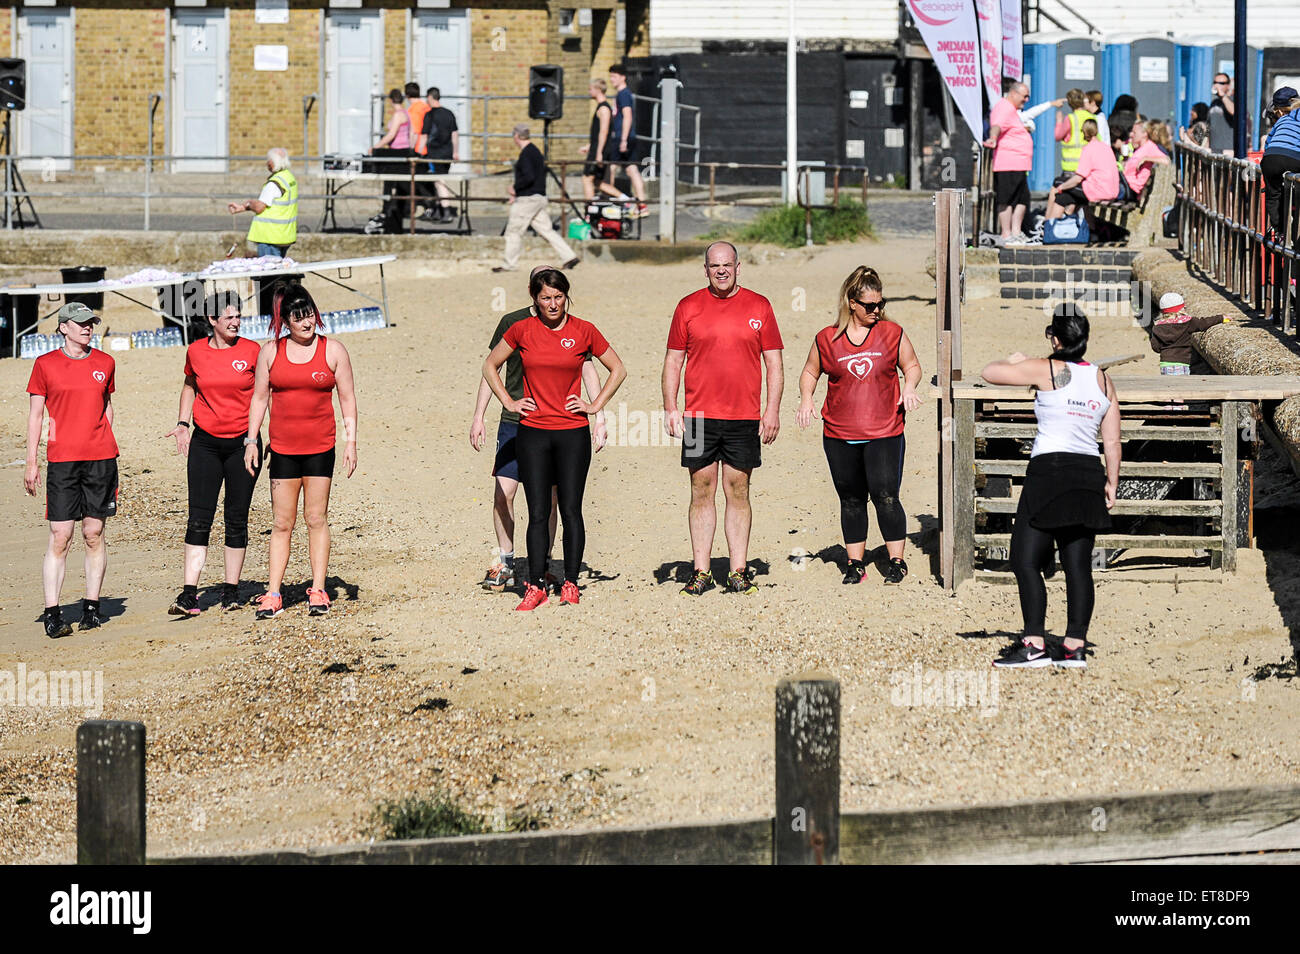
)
(862, 355)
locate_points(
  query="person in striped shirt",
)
(1281, 151)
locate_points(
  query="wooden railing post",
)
(807, 771)
(110, 793)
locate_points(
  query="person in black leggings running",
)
(554, 443)
(861, 356)
(1067, 495)
(218, 386)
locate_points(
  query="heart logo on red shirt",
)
(860, 367)
(566, 342)
(99, 376)
(239, 365)
(318, 377)
(755, 323)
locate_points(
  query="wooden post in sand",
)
(110, 793)
(807, 771)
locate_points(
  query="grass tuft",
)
(784, 226)
(439, 816)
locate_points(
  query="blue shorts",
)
(507, 459)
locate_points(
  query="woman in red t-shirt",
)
(297, 375)
(861, 356)
(553, 445)
(218, 389)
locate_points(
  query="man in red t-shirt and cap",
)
(725, 335)
(75, 384)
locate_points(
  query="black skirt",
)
(1064, 490)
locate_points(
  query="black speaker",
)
(13, 83)
(545, 92)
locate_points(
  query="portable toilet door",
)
(1078, 65)
(1224, 62)
(1116, 77)
(1196, 69)
(1152, 78)
(1040, 76)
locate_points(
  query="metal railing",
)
(1223, 233)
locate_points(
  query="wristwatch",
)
(249, 441)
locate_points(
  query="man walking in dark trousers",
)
(528, 205)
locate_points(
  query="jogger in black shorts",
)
(218, 386)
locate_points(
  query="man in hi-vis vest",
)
(1069, 130)
(275, 210)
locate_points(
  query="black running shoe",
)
(855, 573)
(894, 571)
(230, 597)
(700, 583)
(739, 581)
(1071, 658)
(1024, 656)
(55, 625)
(186, 604)
(91, 618)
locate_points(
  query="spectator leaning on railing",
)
(275, 210)
(1281, 151)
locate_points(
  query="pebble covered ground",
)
(639, 706)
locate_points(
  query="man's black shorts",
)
(76, 489)
(629, 156)
(1012, 189)
(707, 440)
(594, 169)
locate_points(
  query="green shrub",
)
(433, 816)
(784, 225)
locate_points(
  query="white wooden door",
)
(45, 126)
(354, 58)
(198, 102)
(440, 57)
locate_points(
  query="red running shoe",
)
(534, 596)
(569, 593)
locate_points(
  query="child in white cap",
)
(1171, 333)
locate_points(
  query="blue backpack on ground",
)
(1067, 230)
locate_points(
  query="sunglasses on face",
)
(870, 307)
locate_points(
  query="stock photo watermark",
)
(945, 689)
(25, 688)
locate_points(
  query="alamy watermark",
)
(945, 688)
(56, 689)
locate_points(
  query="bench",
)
(1141, 218)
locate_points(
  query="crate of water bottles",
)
(353, 319)
(158, 338)
(33, 346)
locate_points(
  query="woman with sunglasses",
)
(297, 375)
(1067, 495)
(217, 390)
(861, 356)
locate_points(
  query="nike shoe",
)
(230, 597)
(894, 571)
(740, 582)
(90, 617)
(700, 583)
(856, 572)
(186, 604)
(534, 596)
(1071, 658)
(318, 602)
(569, 593)
(55, 625)
(269, 605)
(1024, 656)
(499, 577)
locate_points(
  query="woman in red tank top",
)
(297, 375)
(861, 356)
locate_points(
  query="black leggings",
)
(213, 460)
(872, 469)
(1273, 168)
(1031, 549)
(557, 459)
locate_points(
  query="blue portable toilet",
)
(1195, 71)
(1146, 68)
(1054, 63)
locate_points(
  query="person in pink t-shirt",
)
(1146, 154)
(1095, 180)
(1013, 157)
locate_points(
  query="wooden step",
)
(1128, 431)
(1122, 508)
(1016, 468)
(1123, 541)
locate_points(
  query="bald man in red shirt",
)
(725, 336)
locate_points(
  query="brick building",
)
(233, 75)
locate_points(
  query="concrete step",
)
(1067, 255)
(1064, 273)
(1119, 291)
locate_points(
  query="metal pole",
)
(668, 160)
(1241, 84)
(154, 100)
(791, 111)
(9, 174)
(307, 102)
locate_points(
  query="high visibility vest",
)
(277, 224)
(1072, 148)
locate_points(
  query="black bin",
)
(183, 303)
(81, 274)
(267, 287)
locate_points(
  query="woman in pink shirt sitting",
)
(1151, 144)
(1095, 180)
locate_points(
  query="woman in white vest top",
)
(1067, 495)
